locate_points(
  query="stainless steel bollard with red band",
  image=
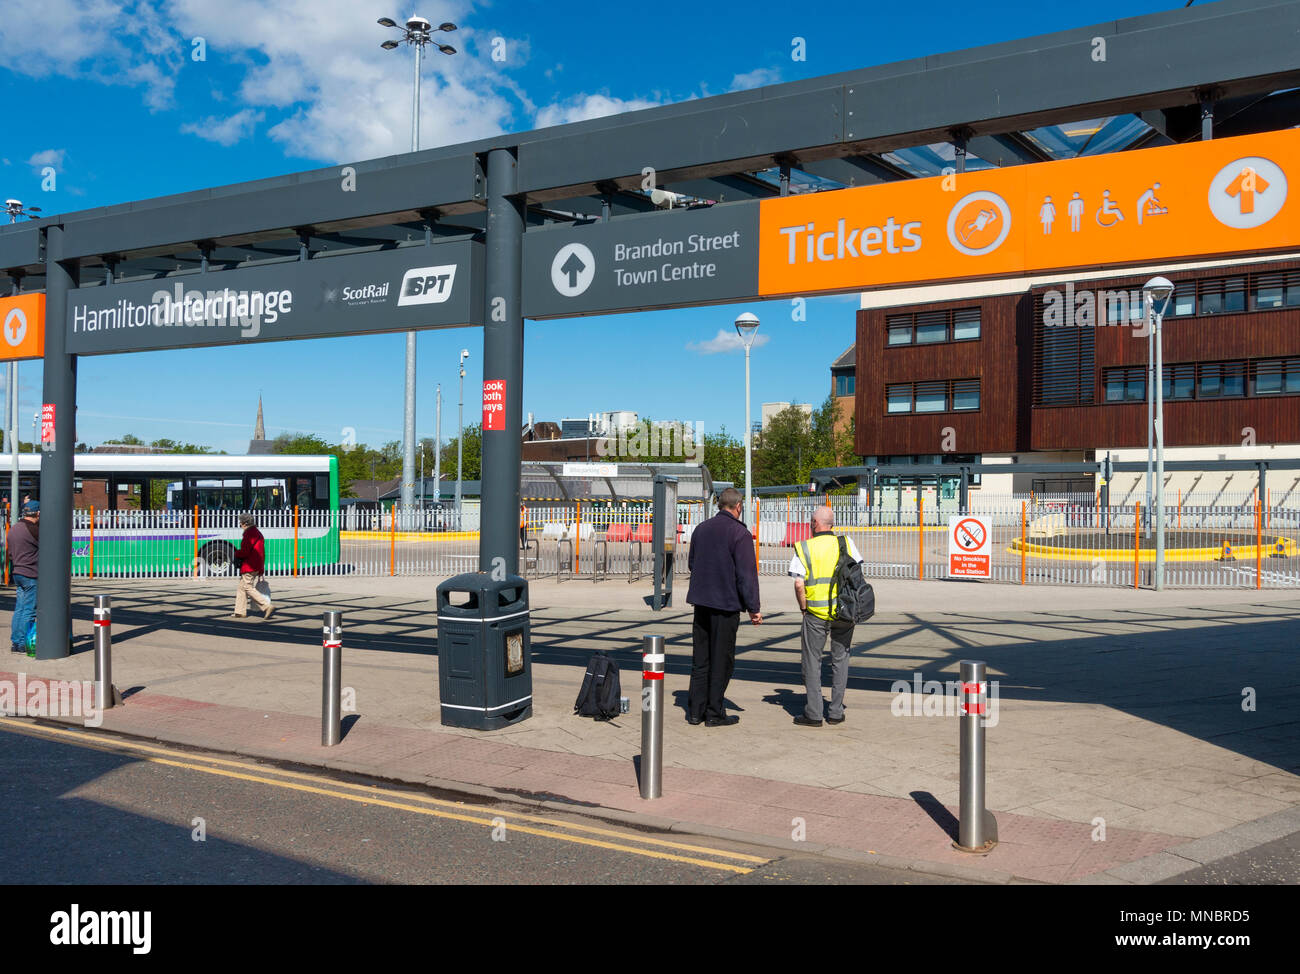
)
(977, 831)
(331, 726)
(652, 716)
(106, 695)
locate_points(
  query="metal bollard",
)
(106, 695)
(331, 729)
(652, 716)
(978, 829)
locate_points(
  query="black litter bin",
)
(485, 672)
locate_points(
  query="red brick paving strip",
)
(1046, 850)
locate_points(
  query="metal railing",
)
(1211, 541)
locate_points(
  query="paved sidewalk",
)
(1128, 716)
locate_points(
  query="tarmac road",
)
(78, 808)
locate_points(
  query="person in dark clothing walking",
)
(724, 581)
(24, 548)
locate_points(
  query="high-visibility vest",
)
(819, 555)
(523, 517)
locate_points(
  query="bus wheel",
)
(219, 557)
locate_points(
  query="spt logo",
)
(978, 223)
(427, 285)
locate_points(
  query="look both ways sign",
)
(970, 547)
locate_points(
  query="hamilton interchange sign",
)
(1201, 199)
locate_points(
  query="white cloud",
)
(755, 79)
(582, 107)
(724, 341)
(225, 131)
(101, 40)
(319, 65)
(47, 157)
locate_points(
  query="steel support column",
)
(54, 590)
(503, 358)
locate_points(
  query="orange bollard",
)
(1022, 542)
(295, 539)
(1259, 545)
(1137, 535)
(920, 537)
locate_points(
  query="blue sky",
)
(110, 95)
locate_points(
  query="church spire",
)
(259, 431)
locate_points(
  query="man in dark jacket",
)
(724, 580)
(251, 558)
(24, 545)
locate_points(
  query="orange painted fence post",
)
(1180, 508)
(392, 540)
(1137, 536)
(1259, 545)
(577, 537)
(920, 536)
(92, 540)
(295, 539)
(1022, 542)
(195, 563)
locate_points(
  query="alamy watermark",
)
(646, 439)
(937, 698)
(63, 699)
(1085, 308)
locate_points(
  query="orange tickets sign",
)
(23, 321)
(1200, 199)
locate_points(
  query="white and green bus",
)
(177, 514)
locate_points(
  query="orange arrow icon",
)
(1245, 186)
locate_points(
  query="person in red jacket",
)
(251, 558)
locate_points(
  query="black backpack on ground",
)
(855, 599)
(600, 691)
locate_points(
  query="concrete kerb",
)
(1179, 859)
(602, 813)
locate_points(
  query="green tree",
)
(302, 444)
(724, 455)
(473, 454)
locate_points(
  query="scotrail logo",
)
(427, 285)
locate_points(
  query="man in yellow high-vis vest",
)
(813, 567)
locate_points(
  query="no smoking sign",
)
(969, 547)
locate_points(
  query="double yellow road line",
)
(491, 818)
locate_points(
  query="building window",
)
(898, 399)
(1125, 385)
(933, 327)
(899, 329)
(1184, 300)
(1221, 380)
(965, 395)
(958, 395)
(1269, 292)
(966, 324)
(844, 385)
(1275, 377)
(1179, 381)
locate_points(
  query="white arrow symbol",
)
(15, 327)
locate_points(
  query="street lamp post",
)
(437, 452)
(460, 434)
(417, 32)
(746, 327)
(1157, 291)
